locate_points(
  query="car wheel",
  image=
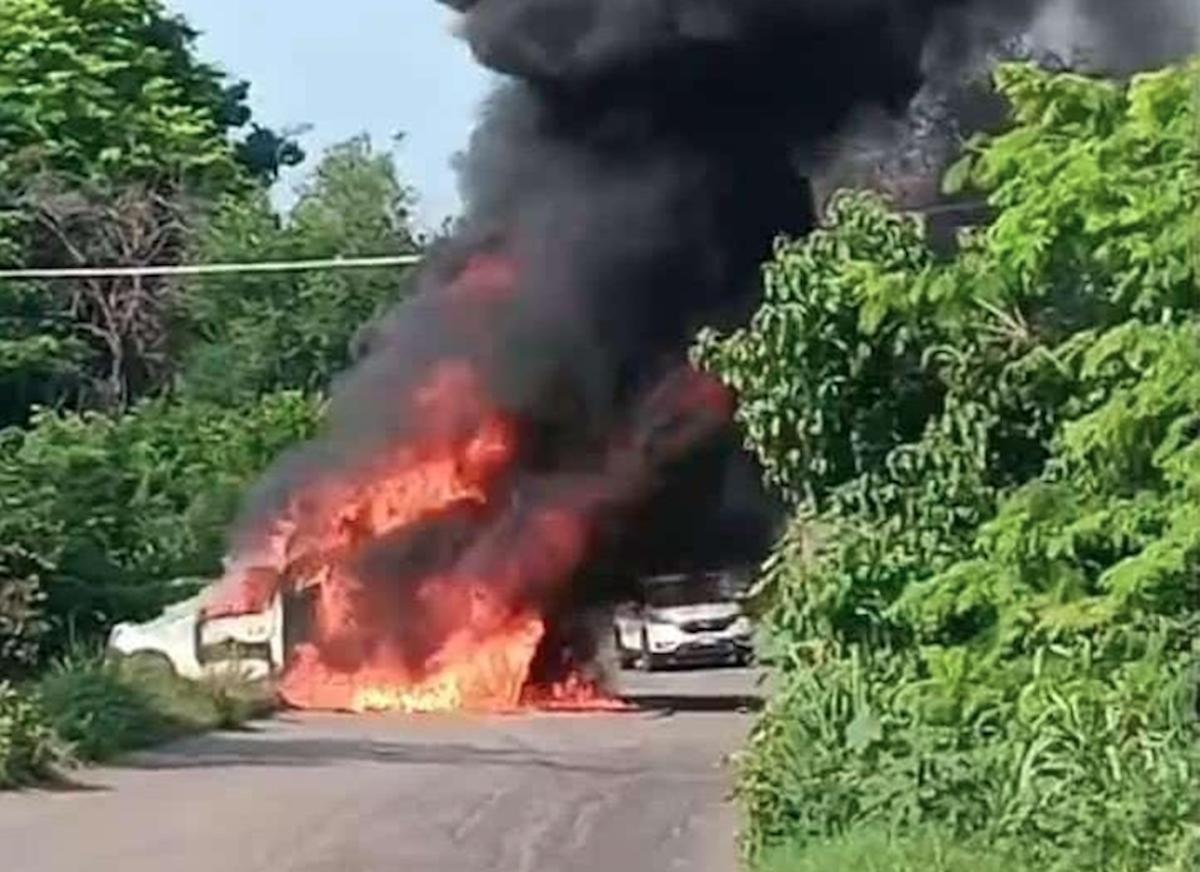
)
(647, 661)
(624, 657)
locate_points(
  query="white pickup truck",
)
(196, 647)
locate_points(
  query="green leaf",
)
(864, 731)
(958, 175)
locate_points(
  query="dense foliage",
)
(114, 137)
(113, 90)
(29, 749)
(251, 334)
(877, 850)
(98, 709)
(87, 709)
(100, 513)
(988, 605)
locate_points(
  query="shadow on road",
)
(671, 703)
(561, 744)
(67, 782)
(230, 750)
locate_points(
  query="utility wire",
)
(204, 269)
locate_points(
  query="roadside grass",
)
(29, 749)
(868, 849)
(875, 850)
(99, 708)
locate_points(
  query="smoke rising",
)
(621, 189)
(905, 155)
(1117, 36)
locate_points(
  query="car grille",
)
(711, 625)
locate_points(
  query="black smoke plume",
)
(624, 182)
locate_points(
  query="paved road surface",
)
(643, 792)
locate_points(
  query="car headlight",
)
(663, 628)
(663, 635)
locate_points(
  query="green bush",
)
(295, 331)
(98, 713)
(825, 395)
(22, 619)
(29, 750)
(104, 708)
(985, 616)
(1065, 767)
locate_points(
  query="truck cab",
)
(195, 646)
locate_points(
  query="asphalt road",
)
(636, 792)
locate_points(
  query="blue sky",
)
(354, 66)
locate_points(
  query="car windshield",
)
(685, 591)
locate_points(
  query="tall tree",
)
(114, 89)
(109, 99)
(985, 614)
(126, 319)
(263, 333)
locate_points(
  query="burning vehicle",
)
(524, 431)
(418, 595)
(681, 618)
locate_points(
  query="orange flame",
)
(407, 616)
(485, 630)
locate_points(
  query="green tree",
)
(127, 321)
(986, 622)
(263, 333)
(109, 101)
(113, 90)
(826, 391)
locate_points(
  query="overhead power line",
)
(205, 269)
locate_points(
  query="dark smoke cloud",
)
(625, 182)
(634, 168)
(906, 155)
(1119, 36)
(644, 154)
(865, 42)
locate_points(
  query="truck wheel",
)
(151, 663)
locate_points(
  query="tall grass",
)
(102, 707)
(875, 850)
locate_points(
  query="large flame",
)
(408, 615)
(486, 629)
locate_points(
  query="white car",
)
(196, 647)
(684, 619)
